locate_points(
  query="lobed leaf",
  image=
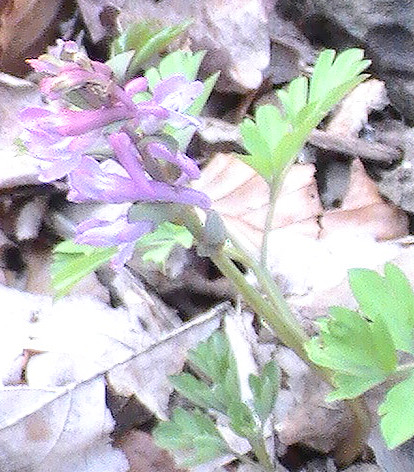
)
(360, 352)
(397, 423)
(389, 298)
(242, 421)
(212, 357)
(265, 388)
(273, 141)
(192, 432)
(196, 391)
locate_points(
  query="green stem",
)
(275, 312)
(278, 318)
(268, 224)
(283, 313)
(273, 309)
(260, 451)
(274, 192)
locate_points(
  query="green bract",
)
(157, 246)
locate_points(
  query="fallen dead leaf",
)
(143, 455)
(59, 420)
(363, 211)
(16, 167)
(240, 196)
(310, 420)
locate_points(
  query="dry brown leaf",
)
(363, 211)
(310, 420)
(26, 28)
(143, 455)
(352, 114)
(241, 197)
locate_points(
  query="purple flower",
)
(66, 122)
(188, 167)
(134, 86)
(118, 232)
(74, 132)
(129, 157)
(107, 182)
(126, 180)
(51, 63)
(174, 94)
(57, 155)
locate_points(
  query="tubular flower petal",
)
(186, 164)
(176, 94)
(119, 233)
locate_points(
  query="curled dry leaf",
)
(363, 211)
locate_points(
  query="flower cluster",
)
(108, 140)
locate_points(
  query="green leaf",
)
(294, 99)
(319, 75)
(212, 357)
(146, 39)
(260, 154)
(157, 246)
(72, 262)
(265, 389)
(397, 423)
(389, 298)
(196, 391)
(215, 359)
(193, 433)
(400, 286)
(206, 448)
(242, 421)
(272, 140)
(360, 352)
